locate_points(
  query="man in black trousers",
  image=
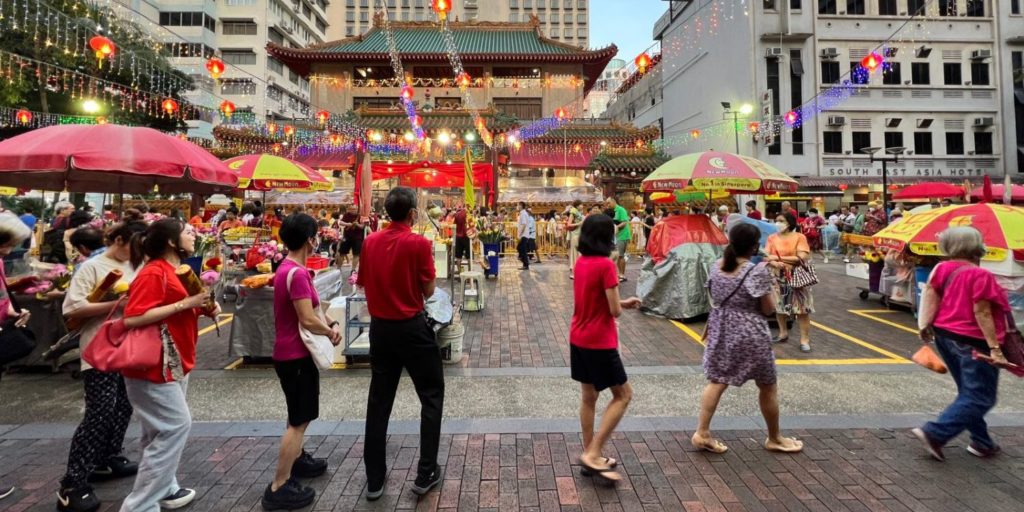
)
(397, 272)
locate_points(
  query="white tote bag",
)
(319, 346)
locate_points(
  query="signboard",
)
(767, 118)
(937, 172)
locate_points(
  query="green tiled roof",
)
(400, 123)
(640, 163)
(609, 132)
(431, 40)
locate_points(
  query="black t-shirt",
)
(648, 224)
(352, 232)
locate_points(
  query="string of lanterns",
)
(408, 94)
(462, 78)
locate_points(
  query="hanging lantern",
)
(215, 67)
(101, 120)
(407, 93)
(335, 139)
(103, 48)
(577, 148)
(792, 118)
(894, 187)
(872, 61)
(289, 130)
(227, 108)
(753, 126)
(417, 121)
(463, 80)
(272, 128)
(169, 106)
(322, 116)
(694, 133)
(843, 187)
(442, 8)
(23, 116)
(642, 61)
(561, 114)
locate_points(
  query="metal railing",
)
(552, 238)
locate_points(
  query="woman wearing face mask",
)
(787, 250)
(811, 227)
(874, 221)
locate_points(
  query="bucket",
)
(450, 341)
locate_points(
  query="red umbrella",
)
(929, 190)
(1016, 193)
(110, 158)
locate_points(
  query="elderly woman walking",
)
(963, 310)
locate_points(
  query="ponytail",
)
(135, 244)
(744, 239)
(729, 261)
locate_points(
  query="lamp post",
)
(895, 152)
(744, 110)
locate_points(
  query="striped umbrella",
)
(268, 172)
(1001, 227)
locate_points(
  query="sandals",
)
(602, 473)
(797, 446)
(612, 463)
(805, 347)
(781, 339)
(709, 445)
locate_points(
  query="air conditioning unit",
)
(773, 52)
(829, 53)
(893, 122)
(981, 54)
(836, 121)
(984, 121)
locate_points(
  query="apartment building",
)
(238, 31)
(946, 91)
(562, 20)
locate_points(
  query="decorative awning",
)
(641, 163)
(532, 155)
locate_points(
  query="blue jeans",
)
(976, 384)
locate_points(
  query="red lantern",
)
(215, 67)
(407, 93)
(272, 128)
(843, 187)
(463, 80)
(642, 61)
(753, 126)
(560, 114)
(639, 144)
(23, 116)
(335, 139)
(227, 108)
(170, 106)
(323, 116)
(792, 117)
(103, 48)
(442, 8)
(577, 148)
(289, 130)
(417, 121)
(694, 133)
(872, 61)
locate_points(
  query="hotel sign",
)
(937, 172)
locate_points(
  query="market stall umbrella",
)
(686, 195)
(715, 170)
(1016, 193)
(929, 190)
(110, 158)
(1001, 227)
(268, 172)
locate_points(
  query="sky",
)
(627, 23)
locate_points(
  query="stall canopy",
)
(682, 229)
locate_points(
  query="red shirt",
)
(593, 325)
(460, 224)
(754, 214)
(154, 286)
(394, 265)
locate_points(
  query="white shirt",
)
(527, 226)
(88, 274)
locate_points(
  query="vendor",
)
(230, 222)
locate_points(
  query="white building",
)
(562, 20)
(945, 92)
(604, 88)
(638, 98)
(238, 31)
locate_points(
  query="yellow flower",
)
(120, 288)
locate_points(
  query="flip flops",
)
(709, 445)
(601, 473)
(797, 447)
(612, 464)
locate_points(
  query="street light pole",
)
(895, 159)
(735, 130)
(744, 110)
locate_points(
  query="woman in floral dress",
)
(738, 340)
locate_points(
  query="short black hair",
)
(79, 218)
(90, 238)
(751, 203)
(399, 202)
(597, 236)
(297, 229)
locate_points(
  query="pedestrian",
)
(526, 226)
(461, 235)
(13, 232)
(197, 220)
(594, 342)
(963, 310)
(157, 394)
(397, 272)
(737, 340)
(788, 249)
(354, 232)
(622, 234)
(875, 219)
(572, 225)
(752, 210)
(295, 304)
(230, 221)
(97, 446)
(811, 228)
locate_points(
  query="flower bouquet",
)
(491, 236)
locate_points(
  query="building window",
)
(238, 28)
(555, 4)
(542, 17)
(923, 143)
(350, 16)
(581, 18)
(983, 143)
(858, 75)
(920, 74)
(1017, 69)
(891, 73)
(948, 7)
(1014, 6)
(826, 6)
(951, 74)
(581, 33)
(364, 16)
(773, 83)
(979, 73)
(567, 32)
(542, 4)
(555, 17)
(374, 102)
(769, 5)
(894, 139)
(513, 4)
(829, 72)
(244, 87)
(514, 17)
(527, 4)
(239, 57)
(887, 8)
(954, 143)
(832, 143)
(861, 140)
(794, 5)
(976, 8)
(855, 7)
(521, 108)
(307, 11)
(321, 25)
(916, 7)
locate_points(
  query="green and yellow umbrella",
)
(268, 172)
(1001, 227)
(716, 170)
(687, 195)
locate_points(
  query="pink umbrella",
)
(110, 158)
(1016, 193)
(929, 190)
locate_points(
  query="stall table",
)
(252, 330)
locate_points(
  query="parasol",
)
(1001, 227)
(268, 172)
(110, 158)
(998, 191)
(929, 190)
(686, 195)
(715, 170)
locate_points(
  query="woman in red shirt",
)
(594, 341)
(158, 394)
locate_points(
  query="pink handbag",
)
(116, 348)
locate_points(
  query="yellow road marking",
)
(860, 342)
(799, 362)
(228, 317)
(235, 364)
(685, 328)
(869, 314)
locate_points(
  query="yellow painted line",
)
(685, 328)
(860, 342)
(235, 364)
(227, 320)
(869, 314)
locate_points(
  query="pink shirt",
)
(288, 344)
(972, 284)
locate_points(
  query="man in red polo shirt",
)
(397, 272)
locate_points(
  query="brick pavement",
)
(840, 470)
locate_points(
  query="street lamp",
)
(895, 152)
(744, 110)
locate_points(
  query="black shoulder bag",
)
(15, 342)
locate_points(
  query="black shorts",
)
(462, 247)
(300, 381)
(355, 245)
(601, 368)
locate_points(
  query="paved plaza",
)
(511, 438)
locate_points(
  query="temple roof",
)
(610, 132)
(460, 120)
(627, 160)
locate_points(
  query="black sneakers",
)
(307, 467)
(178, 499)
(115, 467)
(5, 491)
(424, 483)
(291, 496)
(80, 499)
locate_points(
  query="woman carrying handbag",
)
(789, 255)
(157, 394)
(13, 232)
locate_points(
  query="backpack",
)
(52, 250)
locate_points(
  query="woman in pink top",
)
(963, 310)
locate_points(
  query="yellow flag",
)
(470, 195)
